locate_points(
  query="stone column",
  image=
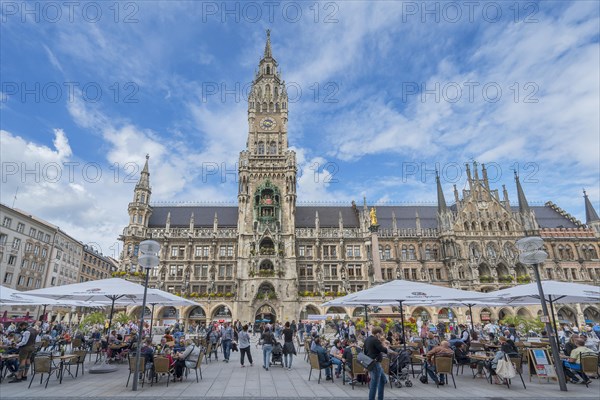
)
(377, 275)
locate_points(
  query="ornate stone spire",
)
(590, 212)
(268, 52)
(192, 222)
(442, 207)
(523, 205)
(144, 182)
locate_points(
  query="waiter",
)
(26, 348)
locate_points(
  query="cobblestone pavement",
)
(228, 381)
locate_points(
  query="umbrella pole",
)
(553, 319)
(43, 313)
(402, 323)
(138, 351)
(152, 318)
(471, 315)
(112, 309)
(366, 319)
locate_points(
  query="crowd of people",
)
(335, 350)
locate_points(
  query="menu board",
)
(540, 364)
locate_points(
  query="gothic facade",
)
(268, 258)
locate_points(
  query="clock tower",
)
(267, 196)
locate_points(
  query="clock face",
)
(268, 123)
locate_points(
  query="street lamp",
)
(148, 260)
(532, 253)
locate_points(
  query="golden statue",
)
(373, 214)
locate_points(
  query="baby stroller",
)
(399, 369)
(277, 354)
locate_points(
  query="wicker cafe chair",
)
(443, 365)
(142, 369)
(314, 364)
(589, 365)
(43, 365)
(197, 367)
(161, 367)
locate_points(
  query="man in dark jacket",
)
(324, 360)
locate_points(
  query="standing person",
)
(288, 346)
(26, 348)
(375, 349)
(267, 340)
(244, 345)
(301, 331)
(226, 339)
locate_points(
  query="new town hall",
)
(269, 258)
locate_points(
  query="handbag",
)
(234, 346)
(367, 362)
(505, 369)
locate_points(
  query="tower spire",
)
(144, 181)
(268, 52)
(590, 212)
(523, 205)
(442, 208)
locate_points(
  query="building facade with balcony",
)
(270, 258)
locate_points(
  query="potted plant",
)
(486, 279)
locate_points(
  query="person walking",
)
(288, 346)
(267, 340)
(244, 345)
(375, 348)
(226, 339)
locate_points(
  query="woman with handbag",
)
(375, 348)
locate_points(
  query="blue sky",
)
(379, 103)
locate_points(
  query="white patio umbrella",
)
(404, 292)
(96, 292)
(555, 292)
(156, 296)
(467, 303)
(12, 297)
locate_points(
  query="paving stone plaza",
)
(230, 381)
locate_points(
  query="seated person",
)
(324, 359)
(508, 348)
(454, 340)
(337, 356)
(570, 346)
(168, 336)
(179, 346)
(573, 364)
(350, 352)
(443, 350)
(432, 341)
(188, 358)
(461, 354)
(147, 351)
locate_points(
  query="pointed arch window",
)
(261, 148)
(273, 148)
(404, 253)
